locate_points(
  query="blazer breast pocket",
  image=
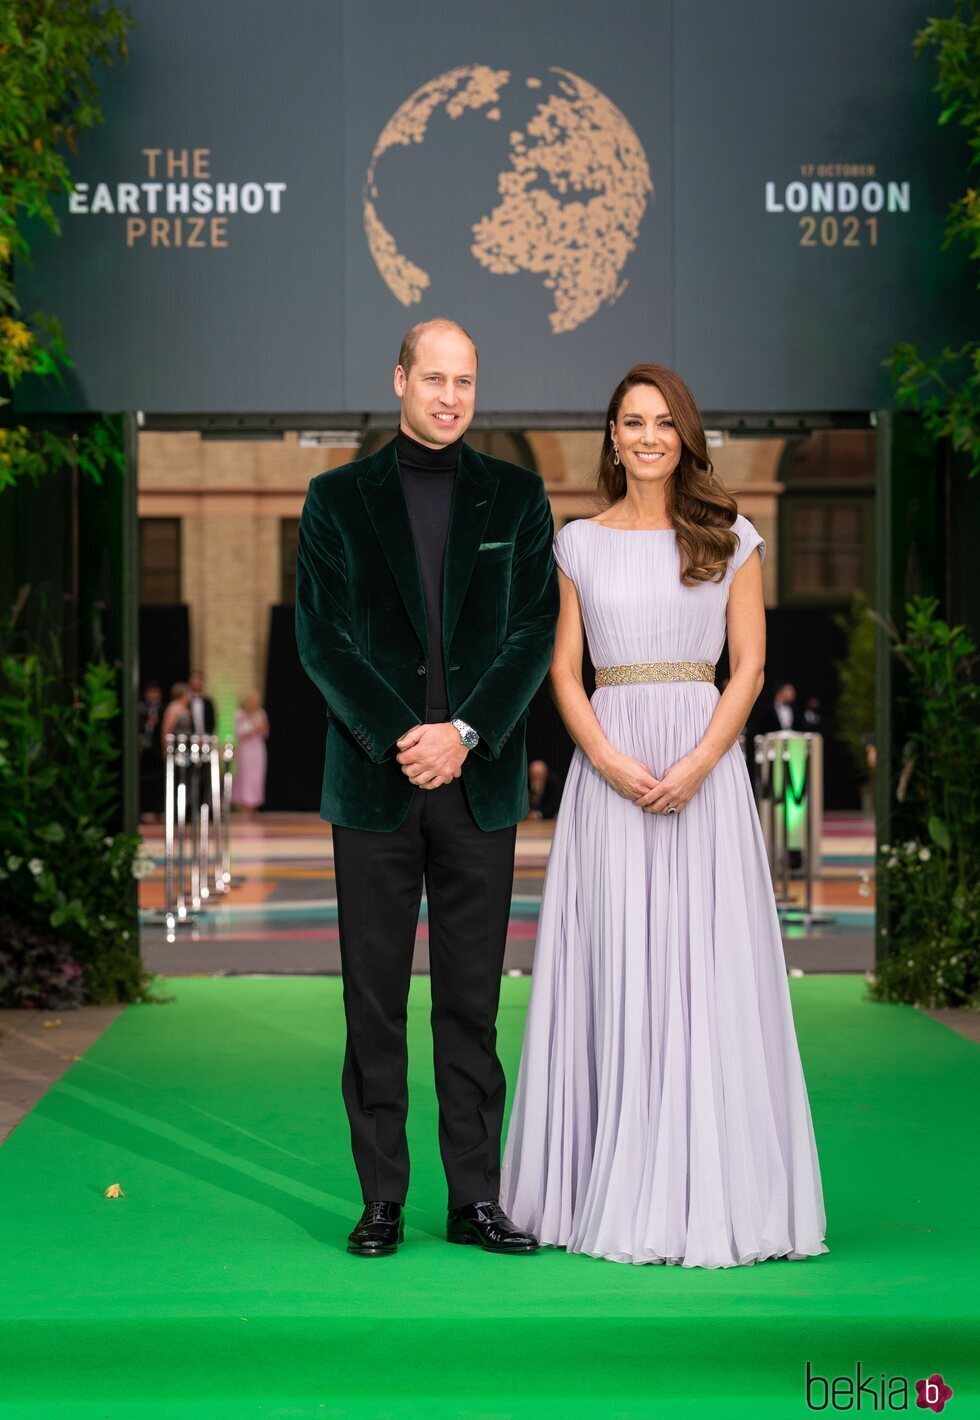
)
(494, 552)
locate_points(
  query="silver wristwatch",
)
(467, 733)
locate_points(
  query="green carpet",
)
(219, 1286)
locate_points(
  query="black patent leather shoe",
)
(487, 1225)
(380, 1229)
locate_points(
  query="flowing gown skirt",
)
(661, 1113)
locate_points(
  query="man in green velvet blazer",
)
(425, 613)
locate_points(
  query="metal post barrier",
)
(220, 824)
(180, 762)
(195, 821)
(170, 803)
(789, 796)
(197, 829)
(787, 799)
(204, 822)
(228, 761)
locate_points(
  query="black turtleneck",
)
(428, 476)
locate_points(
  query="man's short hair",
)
(406, 355)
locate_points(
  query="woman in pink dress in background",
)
(251, 731)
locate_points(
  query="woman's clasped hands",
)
(631, 779)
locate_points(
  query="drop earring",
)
(615, 453)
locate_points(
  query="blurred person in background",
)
(780, 713)
(177, 716)
(150, 712)
(202, 706)
(813, 716)
(251, 731)
(543, 790)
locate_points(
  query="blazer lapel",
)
(381, 489)
(473, 498)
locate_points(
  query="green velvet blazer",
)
(362, 637)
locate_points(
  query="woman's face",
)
(649, 446)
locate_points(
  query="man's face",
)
(438, 393)
(197, 683)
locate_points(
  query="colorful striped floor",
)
(281, 915)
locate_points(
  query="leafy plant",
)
(933, 877)
(856, 679)
(64, 872)
(37, 970)
(48, 50)
(946, 388)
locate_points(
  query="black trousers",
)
(468, 876)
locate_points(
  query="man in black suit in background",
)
(202, 706)
(780, 713)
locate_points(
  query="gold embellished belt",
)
(646, 671)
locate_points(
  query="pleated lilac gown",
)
(661, 1113)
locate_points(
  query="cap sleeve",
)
(564, 552)
(748, 540)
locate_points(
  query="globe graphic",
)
(570, 199)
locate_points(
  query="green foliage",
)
(856, 678)
(48, 52)
(37, 970)
(945, 391)
(946, 388)
(932, 879)
(64, 872)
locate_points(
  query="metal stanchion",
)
(785, 790)
(195, 820)
(180, 761)
(790, 801)
(228, 760)
(197, 829)
(170, 886)
(810, 855)
(221, 824)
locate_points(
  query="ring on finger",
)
(670, 809)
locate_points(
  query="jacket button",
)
(421, 670)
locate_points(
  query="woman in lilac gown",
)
(661, 1113)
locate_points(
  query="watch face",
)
(467, 734)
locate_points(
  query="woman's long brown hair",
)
(700, 508)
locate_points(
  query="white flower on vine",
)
(14, 863)
(924, 855)
(144, 864)
(912, 845)
(892, 862)
(885, 848)
(36, 867)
